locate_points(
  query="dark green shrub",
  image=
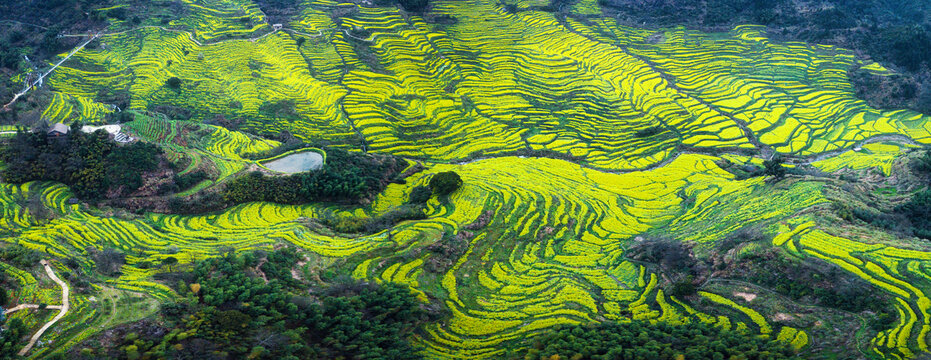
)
(774, 168)
(414, 5)
(683, 288)
(642, 340)
(922, 164)
(648, 132)
(174, 83)
(190, 179)
(420, 195)
(445, 183)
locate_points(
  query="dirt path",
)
(113, 308)
(29, 306)
(258, 270)
(65, 305)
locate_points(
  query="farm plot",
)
(896, 271)
(543, 256)
(210, 148)
(596, 92)
(35, 287)
(66, 108)
(876, 155)
(234, 79)
(214, 20)
(794, 97)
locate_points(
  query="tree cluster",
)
(346, 177)
(747, 255)
(13, 332)
(814, 282)
(109, 261)
(249, 305)
(91, 164)
(672, 258)
(639, 340)
(415, 6)
(773, 168)
(911, 217)
(445, 183)
(370, 225)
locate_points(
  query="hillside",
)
(688, 177)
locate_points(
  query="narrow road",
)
(64, 308)
(41, 77)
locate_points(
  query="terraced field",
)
(575, 138)
(209, 148)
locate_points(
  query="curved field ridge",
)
(544, 256)
(897, 271)
(599, 92)
(214, 148)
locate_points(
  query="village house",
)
(58, 130)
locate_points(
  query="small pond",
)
(295, 163)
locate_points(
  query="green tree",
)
(420, 195)
(638, 340)
(916, 210)
(232, 320)
(774, 168)
(169, 261)
(922, 164)
(174, 83)
(10, 336)
(445, 183)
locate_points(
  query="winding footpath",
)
(29, 306)
(65, 305)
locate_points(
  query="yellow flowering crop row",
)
(874, 155)
(883, 267)
(754, 316)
